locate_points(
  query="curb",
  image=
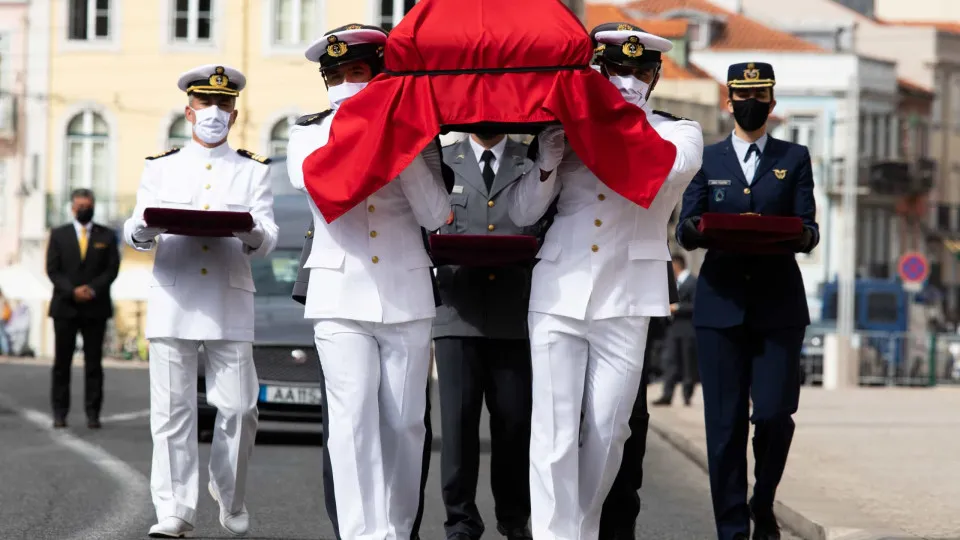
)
(77, 362)
(790, 519)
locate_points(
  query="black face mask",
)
(84, 215)
(751, 114)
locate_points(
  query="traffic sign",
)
(914, 270)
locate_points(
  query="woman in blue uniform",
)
(750, 310)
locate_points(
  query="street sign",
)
(914, 271)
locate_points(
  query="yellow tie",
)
(83, 243)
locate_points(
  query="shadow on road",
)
(293, 438)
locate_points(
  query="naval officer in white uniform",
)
(601, 275)
(202, 294)
(371, 295)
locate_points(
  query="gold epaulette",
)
(256, 157)
(165, 154)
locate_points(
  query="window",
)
(391, 11)
(276, 274)
(803, 130)
(279, 136)
(295, 21)
(192, 21)
(88, 20)
(87, 155)
(180, 133)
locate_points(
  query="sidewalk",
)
(865, 463)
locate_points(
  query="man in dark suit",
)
(82, 262)
(750, 311)
(618, 520)
(482, 346)
(329, 500)
(680, 349)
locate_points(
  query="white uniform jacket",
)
(202, 288)
(370, 264)
(604, 256)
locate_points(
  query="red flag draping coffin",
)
(460, 63)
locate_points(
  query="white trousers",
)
(588, 367)
(375, 375)
(232, 388)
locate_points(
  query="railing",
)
(892, 358)
(111, 211)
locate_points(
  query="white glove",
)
(551, 148)
(142, 233)
(252, 238)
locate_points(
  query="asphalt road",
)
(84, 484)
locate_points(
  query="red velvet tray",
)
(751, 233)
(482, 249)
(198, 222)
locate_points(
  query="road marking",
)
(123, 417)
(127, 506)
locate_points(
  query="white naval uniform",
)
(202, 293)
(600, 277)
(371, 295)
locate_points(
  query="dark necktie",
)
(488, 174)
(754, 149)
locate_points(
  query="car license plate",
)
(295, 395)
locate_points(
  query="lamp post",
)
(840, 361)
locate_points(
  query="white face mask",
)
(632, 89)
(343, 91)
(211, 124)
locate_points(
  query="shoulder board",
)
(256, 157)
(670, 116)
(164, 154)
(315, 118)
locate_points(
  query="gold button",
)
(209, 166)
(206, 207)
(490, 204)
(375, 259)
(371, 208)
(601, 197)
(597, 222)
(490, 227)
(309, 234)
(206, 186)
(746, 191)
(373, 234)
(203, 271)
(492, 277)
(206, 248)
(594, 248)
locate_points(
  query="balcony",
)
(110, 211)
(886, 177)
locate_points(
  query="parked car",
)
(283, 351)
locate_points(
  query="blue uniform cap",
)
(751, 75)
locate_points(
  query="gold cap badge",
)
(218, 79)
(336, 48)
(623, 27)
(751, 73)
(633, 48)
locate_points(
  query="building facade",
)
(100, 123)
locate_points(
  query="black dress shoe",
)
(93, 423)
(59, 423)
(765, 525)
(515, 533)
(663, 402)
(460, 536)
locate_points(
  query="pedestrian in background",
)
(680, 343)
(6, 313)
(83, 259)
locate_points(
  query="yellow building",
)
(113, 97)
